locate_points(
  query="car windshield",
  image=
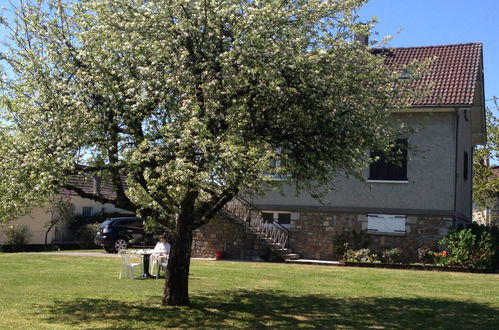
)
(128, 223)
(105, 223)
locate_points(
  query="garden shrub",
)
(467, 249)
(353, 239)
(392, 256)
(425, 255)
(17, 236)
(85, 235)
(441, 258)
(478, 229)
(361, 255)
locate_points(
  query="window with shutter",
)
(386, 223)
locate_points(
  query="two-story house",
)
(407, 204)
(416, 201)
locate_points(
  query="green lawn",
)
(61, 292)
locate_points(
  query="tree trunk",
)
(176, 291)
(47, 233)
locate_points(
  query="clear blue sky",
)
(442, 22)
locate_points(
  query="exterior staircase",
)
(274, 235)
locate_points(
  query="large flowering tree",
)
(180, 104)
(486, 181)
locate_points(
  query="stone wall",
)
(222, 234)
(316, 235)
(320, 235)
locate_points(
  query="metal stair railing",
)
(275, 234)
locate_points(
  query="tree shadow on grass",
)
(258, 309)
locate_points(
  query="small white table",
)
(145, 262)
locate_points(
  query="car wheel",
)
(120, 244)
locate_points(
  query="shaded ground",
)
(257, 309)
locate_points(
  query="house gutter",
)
(456, 157)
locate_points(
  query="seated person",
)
(160, 252)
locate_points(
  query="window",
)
(465, 166)
(284, 218)
(391, 166)
(130, 223)
(276, 166)
(137, 224)
(281, 218)
(86, 211)
(406, 74)
(268, 217)
(386, 223)
(276, 163)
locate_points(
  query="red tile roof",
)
(85, 182)
(451, 78)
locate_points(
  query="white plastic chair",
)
(129, 262)
(161, 262)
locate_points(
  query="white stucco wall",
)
(38, 217)
(430, 172)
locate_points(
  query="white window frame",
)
(386, 224)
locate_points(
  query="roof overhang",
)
(435, 108)
(478, 116)
(476, 108)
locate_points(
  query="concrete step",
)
(315, 262)
(291, 256)
(285, 253)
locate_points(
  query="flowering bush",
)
(467, 249)
(440, 258)
(392, 256)
(361, 255)
(425, 255)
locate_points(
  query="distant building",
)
(490, 216)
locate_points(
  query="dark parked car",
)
(120, 233)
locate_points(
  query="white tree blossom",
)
(180, 104)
